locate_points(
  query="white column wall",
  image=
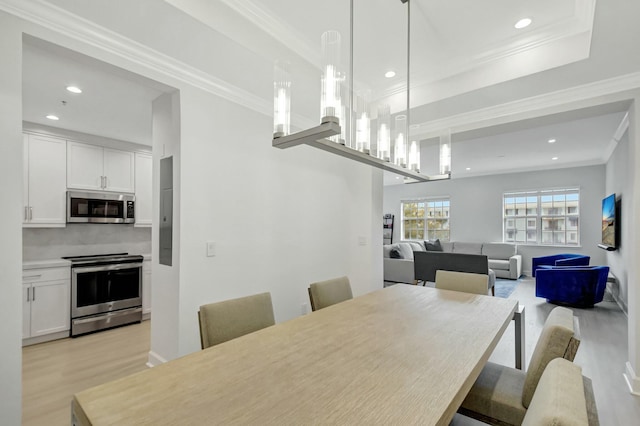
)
(10, 220)
(633, 366)
(280, 219)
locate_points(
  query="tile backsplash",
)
(84, 239)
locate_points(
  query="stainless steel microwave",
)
(100, 207)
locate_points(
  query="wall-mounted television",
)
(609, 223)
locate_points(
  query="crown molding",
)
(617, 135)
(77, 28)
(268, 22)
(480, 117)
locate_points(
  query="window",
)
(545, 217)
(425, 219)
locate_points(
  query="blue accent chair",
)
(564, 259)
(580, 286)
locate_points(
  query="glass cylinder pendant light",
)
(363, 125)
(330, 102)
(384, 132)
(281, 99)
(414, 156)
(445, 152)
(400, 148)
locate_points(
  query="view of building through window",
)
(425, 219)
(545, 217)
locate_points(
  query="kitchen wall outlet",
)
(303, 309)
(211, 248)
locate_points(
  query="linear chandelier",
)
(353, 141)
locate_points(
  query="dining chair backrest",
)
(557, 340)
(462, 281)
(329, 292)
(226, 320)
(559, 398)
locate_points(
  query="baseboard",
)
(633, 381)
(155, 359)
(46, 338)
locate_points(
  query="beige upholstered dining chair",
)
(502, 394)
(561, 397)
(226, 320)
(329, 292)
(462, 281)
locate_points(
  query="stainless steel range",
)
(106, 291)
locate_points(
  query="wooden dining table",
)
(401, 355)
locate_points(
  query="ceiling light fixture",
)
(390, 74)
(53, 117)
(554, 158)
(338, 115)
(523, 23)
(468, 168)
(551, 141)
(74, 89)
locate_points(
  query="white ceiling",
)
(456, 46)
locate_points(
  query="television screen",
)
(609, 222)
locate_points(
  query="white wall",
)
(618, 182)
(10, 219)
(476, 206)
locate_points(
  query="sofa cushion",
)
(498, 250)
(405, 251)
(433, 245)
(386, 250)
(395, 254)
(499, 264)
(467, 248)
(447, 247)
(416, 246)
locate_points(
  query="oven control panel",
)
(130, 210)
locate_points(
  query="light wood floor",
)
(54, 371)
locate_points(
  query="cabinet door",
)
(50, 307)
(118, 170)
(47, 182)
(25, 178)
(143, 206)
(26, 311)
(84, 166)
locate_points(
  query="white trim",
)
(478, 118)
(617, 135)
(632, 380)
(155, 359)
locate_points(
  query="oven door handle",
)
(102, 317)
(115, 267)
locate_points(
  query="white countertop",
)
(47, 263)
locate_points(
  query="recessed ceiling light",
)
(397, 177)
(551, 141)
(468, 168)
(390, 74)
(523, 23)
(554, 158)
(53, 117)
(74, 89)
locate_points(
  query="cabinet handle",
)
(30, 213)
(105, 182)
(33, 294)
(28, 293)
(26, 213)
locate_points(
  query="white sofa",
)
(503, 258)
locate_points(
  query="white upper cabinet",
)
(144, 208)
(45, 187)
(96, 168)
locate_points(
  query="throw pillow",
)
(433, 245)
(395, 254)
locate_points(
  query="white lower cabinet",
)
(46, 302)
(146, 288)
